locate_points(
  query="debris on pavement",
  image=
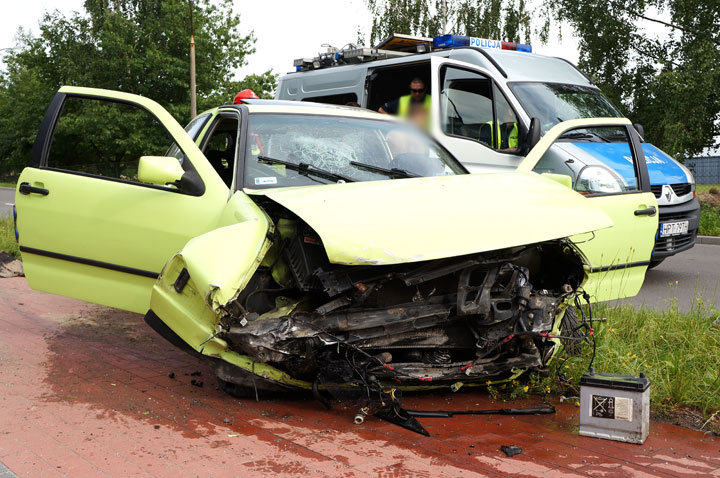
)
(511, 450)
(9, 266)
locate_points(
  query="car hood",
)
(418, 219)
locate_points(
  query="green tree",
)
(137, 46)
(508, 20)
(671, 84)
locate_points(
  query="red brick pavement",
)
(85, 391)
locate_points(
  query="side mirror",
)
(160, 170)
(563, 179)
(533, 136)
(641, 131)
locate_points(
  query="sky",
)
(285, 29)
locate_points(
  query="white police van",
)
(478, 84)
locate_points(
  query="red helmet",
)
(246, 94)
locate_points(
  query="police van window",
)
(466, 104)
(504, 134)
(553, 103)
(343, 99)
(598, 160)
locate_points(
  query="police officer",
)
(506, 131)
(415, 106)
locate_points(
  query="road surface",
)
(689, 274)
(7, 197)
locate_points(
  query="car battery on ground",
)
(615, 407)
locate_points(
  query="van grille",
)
(680, 189)
(669, 244)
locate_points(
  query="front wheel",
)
(242, 383)
(568, 328)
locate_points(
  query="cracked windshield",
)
(300, 150)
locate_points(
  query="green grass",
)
(7, 185)
(703, 188)
(7, 237)
(709, 220)
(678, 352)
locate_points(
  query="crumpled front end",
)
(297, 319)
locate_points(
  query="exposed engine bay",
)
(469, 318)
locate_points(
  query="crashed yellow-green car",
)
(296, 244)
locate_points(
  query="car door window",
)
(220, 146)
(472, 106)
(598, 160)
(105, 138)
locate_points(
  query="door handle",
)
(648, 211)
(25, 188)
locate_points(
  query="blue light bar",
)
(454, 41)
(524, 47)
(449, 41)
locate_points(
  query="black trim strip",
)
(90, 262)
(620, 266)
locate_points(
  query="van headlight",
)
(597, 179)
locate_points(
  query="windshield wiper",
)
(576, 136)
(305, 169)
(583, 136)
(394, 172)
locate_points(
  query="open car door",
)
(90, 225)
(602, 159)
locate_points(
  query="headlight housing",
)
(598, 180)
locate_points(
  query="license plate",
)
(674, 228)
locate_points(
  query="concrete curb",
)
(5, 472)
(714, 240)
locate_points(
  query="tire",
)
(241, 383)
(237, 391)
(655, 262)
(567, 327)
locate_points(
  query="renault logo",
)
(667, 192)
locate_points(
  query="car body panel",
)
(105, 241)
(219, 271)
(418, 219)
(188, 315)
(618, 265)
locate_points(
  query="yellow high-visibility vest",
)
(512, 138)
(404, 105)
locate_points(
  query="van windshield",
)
(553, 103)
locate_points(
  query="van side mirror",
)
(160, 170)
(641, 131)
(533, 136)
